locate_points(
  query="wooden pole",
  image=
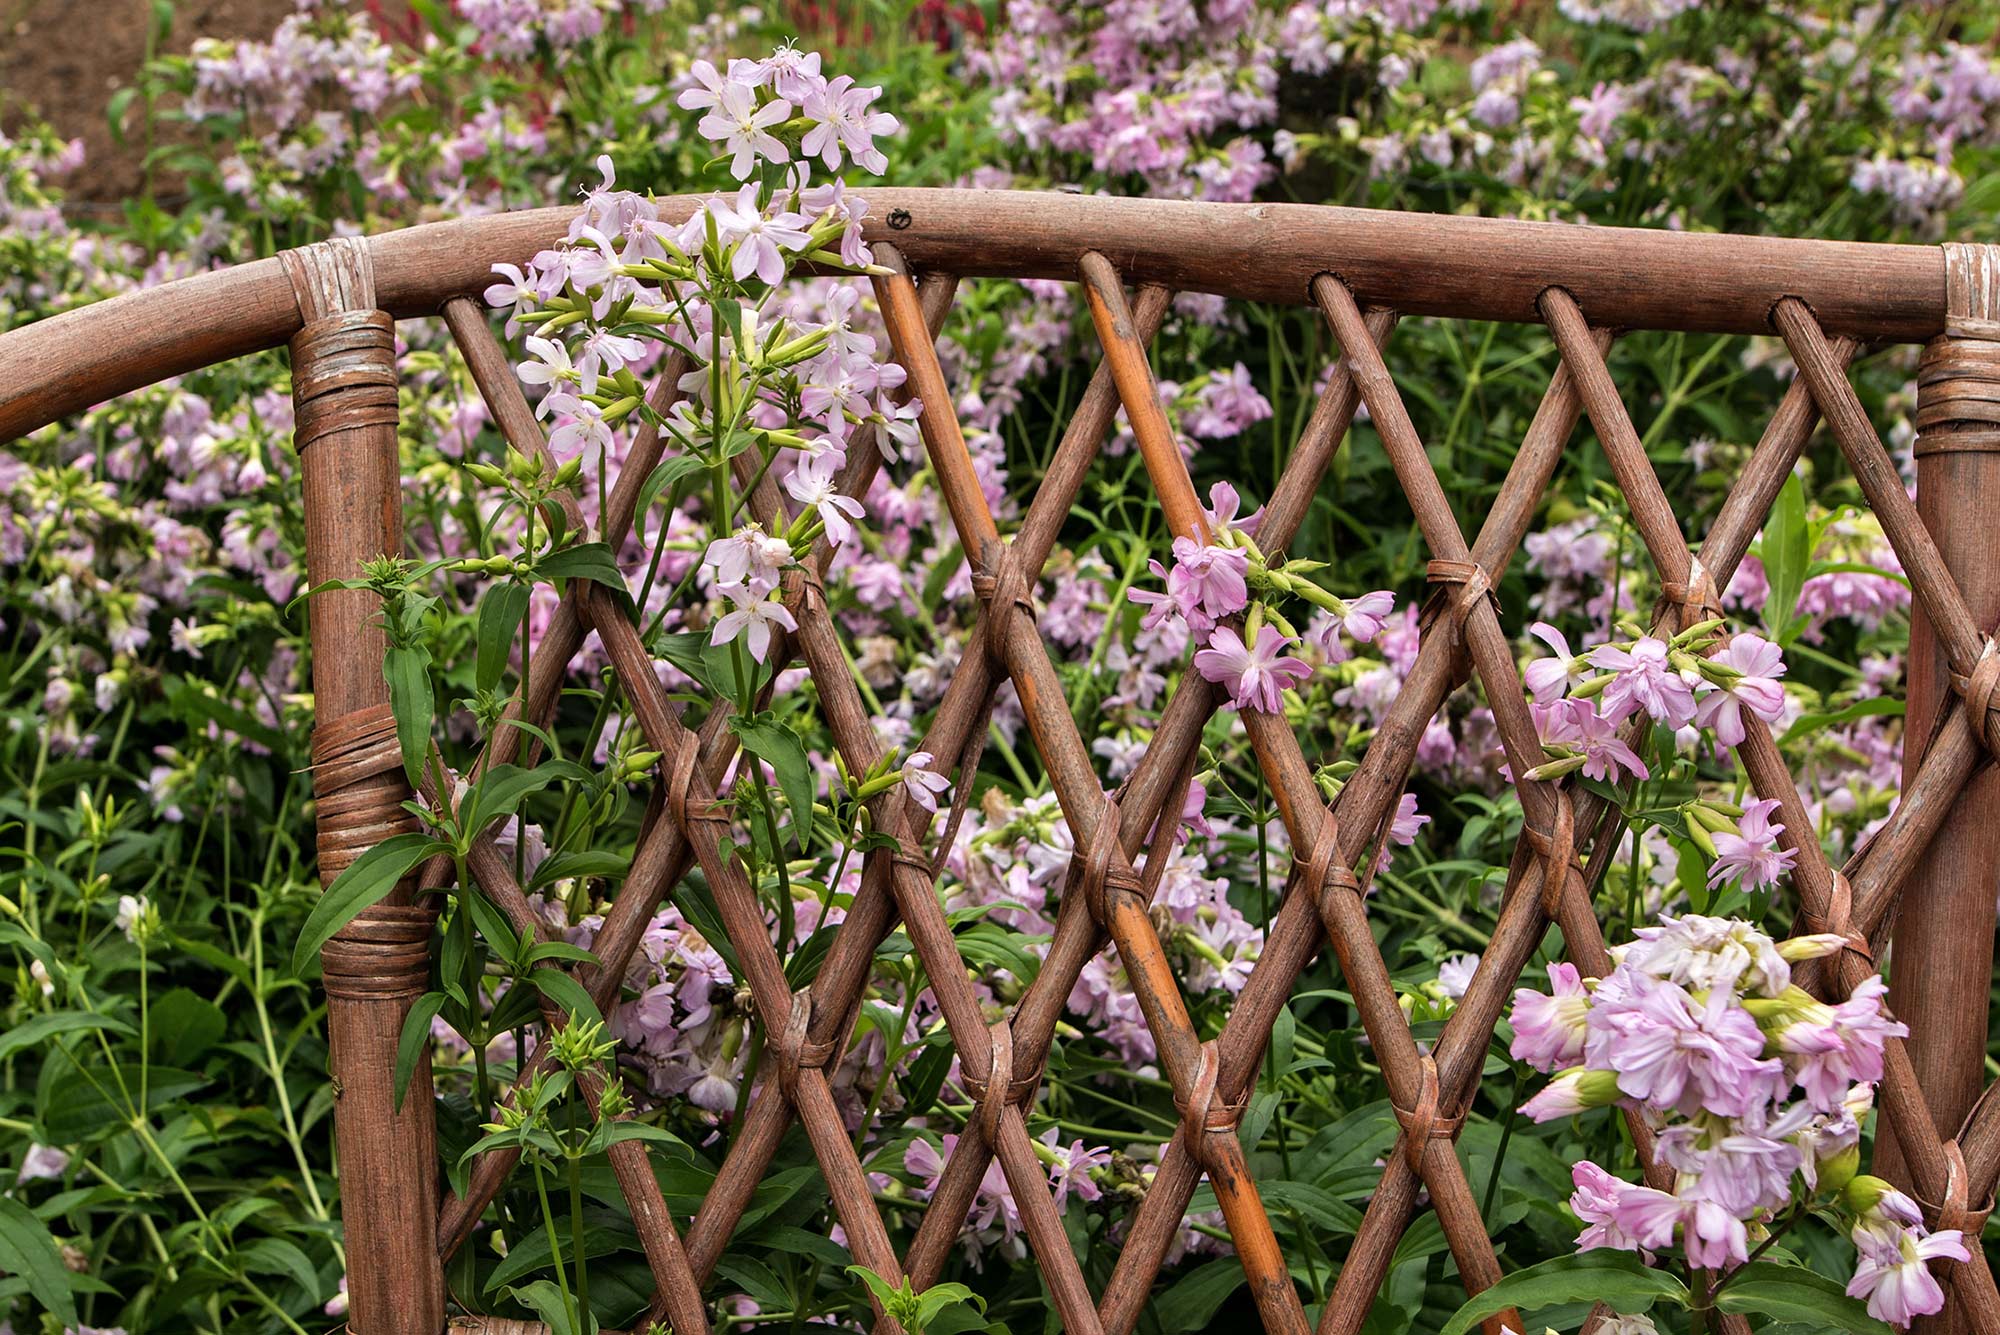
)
(1943, 959)
(1419, 264)
(344, 398)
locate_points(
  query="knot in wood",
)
(1426, 1121)
(1202, 1113)
(1325, 875)
(1557, 847)
(1002, 589)
(1105, 867)
(343, 375)
(1838, 920)
(683, 804)
(999, 1087)
(344, 355)
(383, 954)
(793, 1052)
(358, 789)
(1474, 585)
(1958, 376)
(1696, 596)
(1976, 688)
(1953, 1211)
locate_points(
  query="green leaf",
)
(1619, 1279)
(533, 1253)
(500, 613)
(372, 876)
(1190, 1304)
(408, 671)
(661, 478)
(33, 1032)
(560, 950)
(601, 863)
(1794, 1293)
(771, 741)
(1807, 724)
(1786, 550)
(415, 1040)
(548, 1302)
(566, 992)
(502, 789)
(75, 1105)
(275, 1256)
(586, 560)
(28, 1250)
(184, 1026)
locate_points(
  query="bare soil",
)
(63, 60)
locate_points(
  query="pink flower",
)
(1712, 1237)
(1632, 1218)
(761, 240)
(1833, 1048)
(551, 366)
(1673, 1052)
(1071, 1169)
(1643, 679)
(1456, 973)
(1576, 725)
(1255, 678)
(845, 122)
(1208, 583)
(1751, 855)
(1744, 1166)
(749, 559)
(1619, 1214)
(1549, 1028)
(1365, 615)
(514, 291)
(1757, 690)
(42, 1163)
(1223, 503)
(1403, 829)
(1550, 678)
(710, 85)
(1896, 1279)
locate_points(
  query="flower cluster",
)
(1210, 583)
(1756, 1091)
(627, 281)
(1693, 682)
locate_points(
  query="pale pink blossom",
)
(1255, 678)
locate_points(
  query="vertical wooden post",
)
(1943, 960)
(344, 397)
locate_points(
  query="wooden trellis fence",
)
(336, 304)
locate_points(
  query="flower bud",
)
(1575, 1090)
(1818, 945)
(1836, 1171)
(1556, 768)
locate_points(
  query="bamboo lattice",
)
(344, 361)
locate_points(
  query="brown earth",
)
(63, 60)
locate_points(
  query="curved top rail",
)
(1421, 264)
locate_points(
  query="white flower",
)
(42, 1163)
(743, 128)
(923, 785)
(552, 367)
(753, 622)
(134, 912)
(815, 483)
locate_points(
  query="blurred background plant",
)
(162, 1067)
